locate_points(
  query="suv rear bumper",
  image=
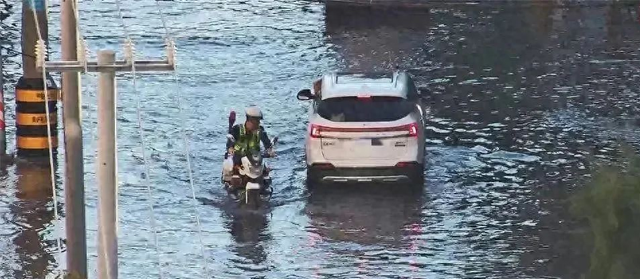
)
(359, 175)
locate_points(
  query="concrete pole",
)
(30, 137)
(74, 164)
(107, 170)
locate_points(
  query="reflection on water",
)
(366, 215)
(249, 232)
(31, 212)
(366, 227)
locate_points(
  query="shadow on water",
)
(397, 37)
(341, 19)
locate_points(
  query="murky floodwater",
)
(521, 101)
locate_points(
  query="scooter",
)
(253, 184)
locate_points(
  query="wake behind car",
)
(365, 127)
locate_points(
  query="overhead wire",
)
(183, 121)
(41, 48)
(17, 52)
(129, 51)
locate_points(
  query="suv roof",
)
(341, 84)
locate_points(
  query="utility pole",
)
(30, 36)
(31, 125)
(74, 164)
(107, 171)
(107, 66)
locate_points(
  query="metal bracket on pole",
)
(125, 65)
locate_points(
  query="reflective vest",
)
(247, 143)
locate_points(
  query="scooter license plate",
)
(252, 186)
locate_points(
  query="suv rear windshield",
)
(374, 109)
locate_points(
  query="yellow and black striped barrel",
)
(31, 120)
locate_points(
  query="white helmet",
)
(253, 111)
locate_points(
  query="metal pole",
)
(74, 179)
(106, 170)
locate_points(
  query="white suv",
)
(365, 127)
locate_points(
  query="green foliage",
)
(611, 205)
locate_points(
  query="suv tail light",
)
(411, 129)
(315, 131)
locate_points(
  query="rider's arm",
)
(265, 138)
(235, 132)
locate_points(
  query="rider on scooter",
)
(248, 137)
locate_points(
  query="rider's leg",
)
(236, 162)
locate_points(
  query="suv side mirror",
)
(305, 94)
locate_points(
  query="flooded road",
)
(522, 101)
